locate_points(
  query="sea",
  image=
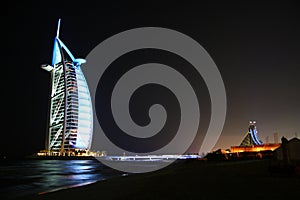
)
(25, 177)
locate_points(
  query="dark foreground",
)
(193, 180)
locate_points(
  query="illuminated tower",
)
(70, 112)
(251, 137)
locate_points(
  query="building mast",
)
(62, 148)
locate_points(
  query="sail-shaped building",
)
(70, 111)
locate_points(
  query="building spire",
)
(56, 48)
(58, 27)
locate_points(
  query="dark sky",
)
(255, 45)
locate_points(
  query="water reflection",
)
(25, 177)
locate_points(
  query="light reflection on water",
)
(25, 177)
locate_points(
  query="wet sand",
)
(194, 179)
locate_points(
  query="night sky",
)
(256, 47)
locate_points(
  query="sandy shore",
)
(192, 180)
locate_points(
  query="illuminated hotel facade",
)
(251, 142)
(70, 111)
(251, 137)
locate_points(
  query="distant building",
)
(251, 142)
(289, 150)
(251, 137)
(70, 112)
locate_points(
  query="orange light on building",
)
(254, 148)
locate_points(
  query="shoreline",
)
(68, 187)
(190, 180)
(33, 157)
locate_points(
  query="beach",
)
(191, 179)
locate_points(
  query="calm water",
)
(26, 177)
